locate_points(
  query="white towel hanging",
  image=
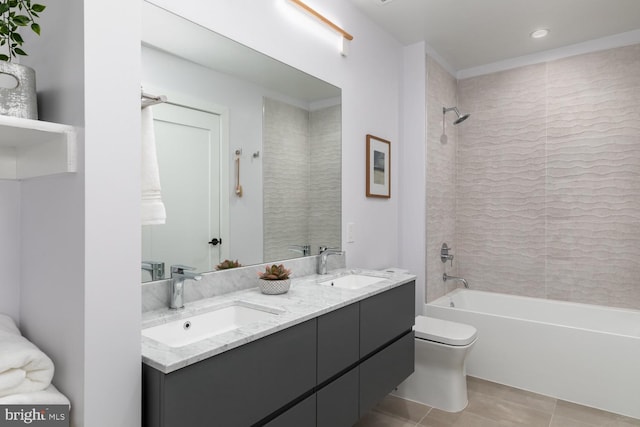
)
(152, 208)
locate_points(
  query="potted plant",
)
(228, 264)
(15, 15)
(274, 279)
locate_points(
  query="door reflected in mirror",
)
(234, 117)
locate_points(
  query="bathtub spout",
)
(446, 277)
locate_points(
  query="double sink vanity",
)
(326, 351)
(322, 354)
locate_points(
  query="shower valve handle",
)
(445, 255)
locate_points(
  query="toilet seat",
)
(444, 331)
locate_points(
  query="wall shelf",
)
(33, 148)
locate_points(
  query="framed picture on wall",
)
(378, 167)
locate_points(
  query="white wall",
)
(412, 223)
(112, 215)
(369, 78)
(10, 248)
(76, 230)
(52, 303)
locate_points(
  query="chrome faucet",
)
(180, 273)
(322, 258)
(155, 268)
(446, 277)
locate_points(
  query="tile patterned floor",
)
(493, 405)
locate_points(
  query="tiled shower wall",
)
(441, 177)
(325, 192)
(285, 172)
(548, 180)
(302, 178)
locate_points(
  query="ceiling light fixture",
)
(346, 37)
(538, 34)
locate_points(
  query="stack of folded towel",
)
(25, 371)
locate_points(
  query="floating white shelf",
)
(32, 148)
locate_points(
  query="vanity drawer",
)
(383, 371)
(385, 316)
(338, 401)
(338, 337)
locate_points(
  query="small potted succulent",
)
(274, 280)
(228, 264)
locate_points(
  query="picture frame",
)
(378, 167)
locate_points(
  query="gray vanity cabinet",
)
(338, 357)
(386, 316)
(326, 372)
(337, 402)
(386, 343)
(338, 341)
(383, 371)
(301, 415)
(238, 387)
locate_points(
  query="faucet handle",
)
(156, 268)
(325, 248)
(305, 250)
(180, 269)
(445, 255)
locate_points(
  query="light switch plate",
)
(350, 232)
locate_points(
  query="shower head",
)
(460, 119)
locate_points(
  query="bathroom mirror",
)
(249, 150)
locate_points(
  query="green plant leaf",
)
(13, 3)
(3, 57)
(20, 51)
(17, 38)
(36, 28)
(38, 7)
(3, 8)
(21, 20)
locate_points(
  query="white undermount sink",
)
(352, 281)
(192, 329)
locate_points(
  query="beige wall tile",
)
(547, 197)
(500, 187)
(593, 177)
(441, 177)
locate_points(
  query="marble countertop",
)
(305, 300)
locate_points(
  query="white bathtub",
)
(581, 353)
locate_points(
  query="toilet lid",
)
(444, 331)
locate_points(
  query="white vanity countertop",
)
(305, 300)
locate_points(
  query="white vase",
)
(19, 101)
(274, 287)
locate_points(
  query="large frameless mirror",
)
(248, 151)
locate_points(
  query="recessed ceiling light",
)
(538, 34)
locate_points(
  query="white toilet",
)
(439, 379)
